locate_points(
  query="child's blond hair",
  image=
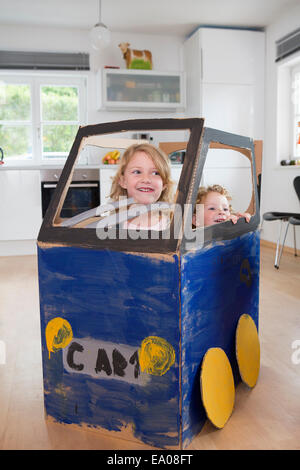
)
(160, 161)
(217, 188)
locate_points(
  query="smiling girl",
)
(144, 175)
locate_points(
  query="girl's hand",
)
(238, 215)
(234, 218)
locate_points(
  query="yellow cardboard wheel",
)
(217, 386)
(247, 350)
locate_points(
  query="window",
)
(230, 169)
(40, 115)
(288, 111)
(296, 110)
(16, 119)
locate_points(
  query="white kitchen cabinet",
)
(106, 177)
(225, 79)
(145, 90)
(20, 204)
(175, 174)
(230, 55)
(229, 107)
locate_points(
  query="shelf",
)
(140, 89)
(287, 167)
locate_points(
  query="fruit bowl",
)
(111, 158)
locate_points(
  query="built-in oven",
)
(83, 193)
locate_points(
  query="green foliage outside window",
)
(15, 104)
(58, 103)
(58, 138)
(15, 141)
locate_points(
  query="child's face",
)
(215, 209)
(141, 179)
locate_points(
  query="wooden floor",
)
(267, 417)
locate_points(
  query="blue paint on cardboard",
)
(121, 298)
(216, 289)
(194, 303)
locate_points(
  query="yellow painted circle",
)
(156, 355)
(247, 350)
(58, 334)
(217, 386)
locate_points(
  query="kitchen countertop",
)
(58, 166)
(52, 167)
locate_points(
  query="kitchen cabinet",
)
(231, 55)
(225, 79)
(106, 177)
(229, 107)
(20, 205)
(145, 90)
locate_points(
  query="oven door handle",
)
(79, 185)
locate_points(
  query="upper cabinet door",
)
(231, 56)
(229, 107)
(141, 89)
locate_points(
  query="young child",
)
(216, 207)
(144, 174)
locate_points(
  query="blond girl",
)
(144, 174)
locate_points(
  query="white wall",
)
(277, 190)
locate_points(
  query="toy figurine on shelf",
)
(136, 59)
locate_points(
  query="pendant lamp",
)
(99, 34)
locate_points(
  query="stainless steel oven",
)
(83, 193)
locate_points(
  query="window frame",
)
(214, 138)
(36, 80)
(295, 117)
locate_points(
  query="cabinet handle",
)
(80, 185)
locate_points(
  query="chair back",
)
(297, 186)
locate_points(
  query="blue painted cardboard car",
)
(108, 304)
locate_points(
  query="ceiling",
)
(178, 17)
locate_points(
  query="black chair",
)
(291, 218)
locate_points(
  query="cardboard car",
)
(145, 338)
